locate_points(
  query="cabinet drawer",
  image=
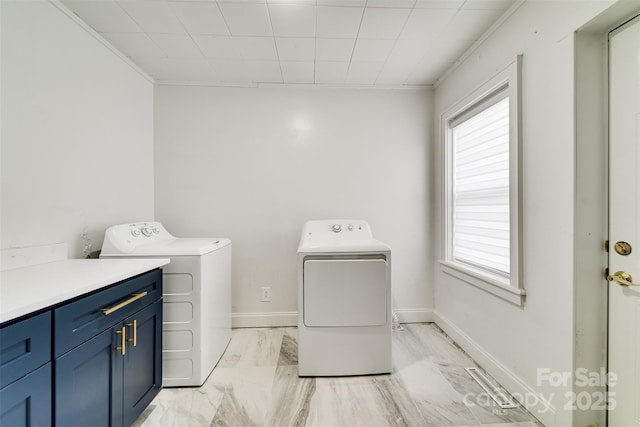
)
(24, 347)
(80, 320)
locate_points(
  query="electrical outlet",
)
(265, 296)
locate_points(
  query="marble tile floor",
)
(256, 383)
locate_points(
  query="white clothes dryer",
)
(196, 325)
(344, 300)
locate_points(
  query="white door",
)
(624, 231)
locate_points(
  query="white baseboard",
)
(415, 315)
(264, 320)
(509, 380)
(290, 318)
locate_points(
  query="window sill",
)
(495, 285)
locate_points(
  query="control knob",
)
(147, 231)
(336, 228)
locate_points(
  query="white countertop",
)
(28, 289)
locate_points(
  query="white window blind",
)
(480, 138)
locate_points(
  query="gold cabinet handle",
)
(135, 297)
(623, 278)
(134, 325)
(123, 340)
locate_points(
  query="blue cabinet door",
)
(88, 386)
(143, 363)
(27, 402)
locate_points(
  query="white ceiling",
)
(334, 42)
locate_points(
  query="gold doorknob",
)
(623, 278)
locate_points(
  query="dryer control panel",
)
(347, 227)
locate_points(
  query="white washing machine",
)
(196, 326)
(344, 300)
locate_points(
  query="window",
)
(480, 143)
(482, 214)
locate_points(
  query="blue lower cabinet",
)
(110, 379)
(27, 401)
(91, 362)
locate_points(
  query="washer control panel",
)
(138, 233)
(145, 229)
(124, 238)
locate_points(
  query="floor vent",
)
(395, 322)
(496, 394)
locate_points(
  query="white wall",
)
(513, 342)
(77, 132)
(254, 163)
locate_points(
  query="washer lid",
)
(152, 239)
(174, 247)
(179, 246)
